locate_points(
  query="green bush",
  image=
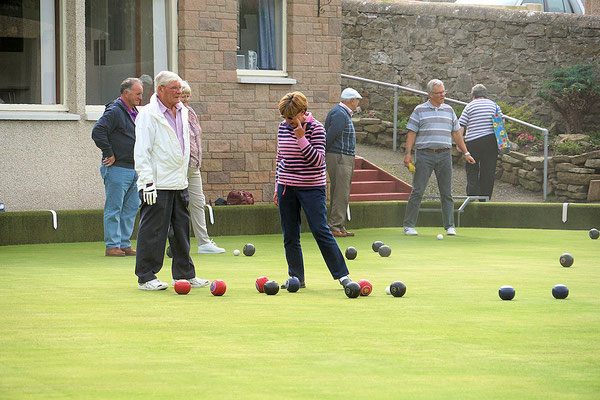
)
(570, 148)
(406, 105)
(573, 92)
(514, 129)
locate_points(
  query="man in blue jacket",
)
(114, 134)
(339, 156)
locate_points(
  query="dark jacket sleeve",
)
(334, 126)
(103, 126)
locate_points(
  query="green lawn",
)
(74, 325)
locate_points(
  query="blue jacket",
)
(114, 134)
(341, 137)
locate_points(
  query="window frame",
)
(278, 76)
(46, 111)
(94, 112)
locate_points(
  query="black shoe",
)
(302, 285)
(344, 282)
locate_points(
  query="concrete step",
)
(373, 187)
(371, 183)
(379, 197)
(362, 175)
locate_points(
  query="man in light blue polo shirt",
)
(431, 128)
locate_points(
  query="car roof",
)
(490, 2)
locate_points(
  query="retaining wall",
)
(509, 51)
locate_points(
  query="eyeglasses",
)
(176, 88)
(442, 92)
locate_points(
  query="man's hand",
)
(408, 160)
(299, 131)
(469, 159)
(108, 161)
(149, 194)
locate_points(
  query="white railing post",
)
(395, 117)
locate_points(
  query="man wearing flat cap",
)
(339, 156)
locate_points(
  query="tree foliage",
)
(573, 92)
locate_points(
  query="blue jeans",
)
(425, 163)
(121, 205)
(312, 199)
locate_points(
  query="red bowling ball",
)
(218, 287)
(365, 287)
(260, 283)
(182, 287)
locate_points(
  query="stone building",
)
(62, 60)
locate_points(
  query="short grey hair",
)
(185, 87)
(164, 77)
(128, 83)
(479, 91)
(432, 83)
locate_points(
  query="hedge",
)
(87, 225)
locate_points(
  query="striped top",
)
(301, 162)
(433, 126)
(477, 117)
(341, 136)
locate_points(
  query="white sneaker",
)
(195, 281)
(451, 231)
(154, 284)
(210, 247)
(410, 232)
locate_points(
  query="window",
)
(556, 6)
(29, 52)
(261, 47)
(126, 38)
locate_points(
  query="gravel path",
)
(392, 162)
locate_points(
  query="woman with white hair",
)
(197, 199)
(481, 142)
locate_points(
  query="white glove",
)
(149, 194)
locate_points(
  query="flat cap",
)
(349, 94)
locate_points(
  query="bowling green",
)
(74, 325)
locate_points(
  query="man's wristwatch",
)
(467, 154)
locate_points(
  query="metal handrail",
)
(420, 92)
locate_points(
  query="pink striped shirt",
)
(301, 162)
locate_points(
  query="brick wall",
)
(239, 121)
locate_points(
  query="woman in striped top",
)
(481, 142)
(300, 184)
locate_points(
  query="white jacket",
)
(157, 152)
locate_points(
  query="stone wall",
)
(509, 51)
(570, 178)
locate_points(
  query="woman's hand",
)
(275, 201)
(299, 131)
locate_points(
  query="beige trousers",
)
(197, 202)
(340, 168)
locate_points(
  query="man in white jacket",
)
(162, 155)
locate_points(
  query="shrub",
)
(524, 113)
(572, 92)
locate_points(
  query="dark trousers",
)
(312, 199)
(481, 175)
(170, 208)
